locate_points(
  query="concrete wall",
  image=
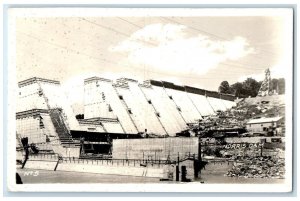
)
(102, 100)
(91, 128)
(42, 162)
(29, 98)
(40, 165)
(66, 151)
(29, 126)
(202, 104)
(57, 98)
(217, 104)
(113, 127)
(94, 104)
(187, 108)
(166, 111)
(145, 111)
(112, 169)
(154, 148)
(43, 95)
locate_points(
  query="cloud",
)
(171, 48)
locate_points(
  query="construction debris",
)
(258, 167)
(232, 122)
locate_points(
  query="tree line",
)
(250, 87)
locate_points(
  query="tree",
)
(251, 87)
(224, 88)
(274, 84)
(237, 89)
(281, 86)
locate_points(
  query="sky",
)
(199, 51)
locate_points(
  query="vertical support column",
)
(198, 161)
(199, 149)
(183, 174)
(196, 167)
(177, 168)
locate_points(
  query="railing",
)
(65, 118)
(118, 162)
(44, 157)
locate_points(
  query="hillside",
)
(234, 120)
(267, 106)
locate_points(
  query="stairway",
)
(62, 131)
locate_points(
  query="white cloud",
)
(168, 47)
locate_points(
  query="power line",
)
(208, 33)
(109, 61)
(109, 28)
(118, 32)
(130, 22)
(193, 28)
(66, 48)
(240, 67)
(202, 31)
(125, 34)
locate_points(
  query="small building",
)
(271, 126)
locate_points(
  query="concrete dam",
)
(120, 109)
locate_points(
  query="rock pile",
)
(258, 167)
(232, 122)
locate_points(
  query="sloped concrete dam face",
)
(152, 107)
